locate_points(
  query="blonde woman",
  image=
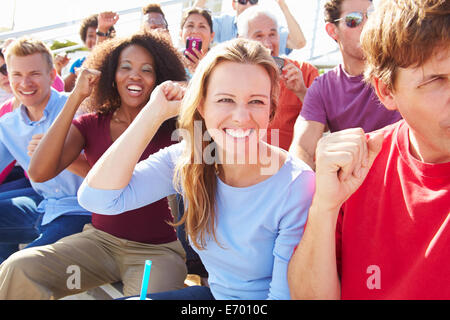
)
(246, 201)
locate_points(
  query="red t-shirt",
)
(289, 107)
(393, 233)
(147, 224)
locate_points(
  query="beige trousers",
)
(89, 259)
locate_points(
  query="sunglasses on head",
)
(3, 70)
(244, 2)
(354, 19)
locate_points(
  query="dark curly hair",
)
(105, 58)
(88, 22)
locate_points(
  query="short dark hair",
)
(153, 7)
(105, 58)
(195, 10)
(332, 10)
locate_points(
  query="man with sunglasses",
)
(225, 25)
(340, 98)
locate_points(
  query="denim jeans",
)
(22, 183)
(20, 222)
(16, 173)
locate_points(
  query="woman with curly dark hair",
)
(119, 79)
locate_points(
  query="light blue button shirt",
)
(225, 28)
(16, 130)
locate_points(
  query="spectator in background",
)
(225, 25)
(154, 19)
(5, 86)
(341, 99)
(259, 24)
(123, 75)
(5, 89)
(88, 34)
(379, 224)
(31, 74)
(196, 23)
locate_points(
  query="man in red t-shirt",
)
(379, 224)
(258, 24)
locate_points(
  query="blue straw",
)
(145, 278)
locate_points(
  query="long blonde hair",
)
(195, 179)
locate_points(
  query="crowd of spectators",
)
(230, 159)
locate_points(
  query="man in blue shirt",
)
(56, 212)
(225, 25)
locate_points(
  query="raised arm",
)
(115, 167)
(293, 78)
(343, 161)
(62, 143)
(296, 38)
(304, 142)
(106, 20)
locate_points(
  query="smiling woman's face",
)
(234, 114)
(197, 26)
(135, 76)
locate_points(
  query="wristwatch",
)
(103, 34)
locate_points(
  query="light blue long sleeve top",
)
(257, 227)
(16, 131)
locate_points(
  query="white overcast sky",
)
(32, 14)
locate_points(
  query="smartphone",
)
(280, 63)
(193, 43)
